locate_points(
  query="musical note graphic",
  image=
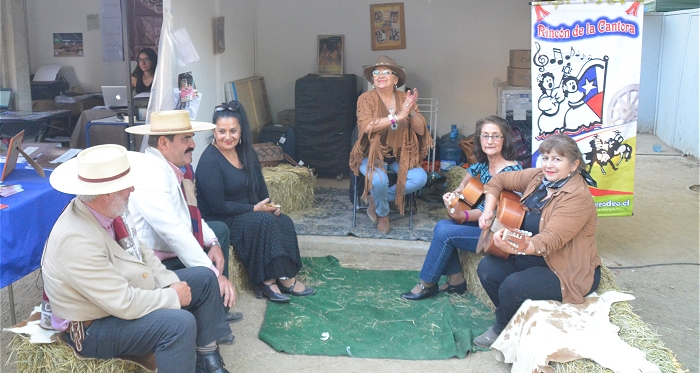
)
(540, 60)
(559, 60)
(571, 54)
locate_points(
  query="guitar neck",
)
(497, 225)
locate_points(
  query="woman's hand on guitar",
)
(486, 219)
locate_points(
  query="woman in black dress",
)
(231, 188)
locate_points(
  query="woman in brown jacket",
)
(392, 134)
(560, 261)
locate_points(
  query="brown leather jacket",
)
(407, 147)
(567, 229)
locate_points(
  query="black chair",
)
(357, 187)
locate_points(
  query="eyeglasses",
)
(492, 137)
(147, 60)
(223, 107)
(382, 72)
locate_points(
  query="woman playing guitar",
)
(560, 261)
(494, 152)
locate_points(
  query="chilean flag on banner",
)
(591, 82)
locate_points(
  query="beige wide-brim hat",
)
(170, 122)
(389, 63)
(97, 170)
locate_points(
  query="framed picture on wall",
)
(388, 26)
(330, 54)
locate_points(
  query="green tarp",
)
(364, 316)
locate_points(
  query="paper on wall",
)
(186, 52)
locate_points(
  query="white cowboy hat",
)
(170, 122)
(97, 170)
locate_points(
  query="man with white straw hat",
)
(164, 206)
(108, 291)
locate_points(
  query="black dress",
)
(267, 244)
(140, 87)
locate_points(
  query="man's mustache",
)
(189, 150)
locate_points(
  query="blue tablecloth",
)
(26, 223)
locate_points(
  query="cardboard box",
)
(518, 77)
(520, 58)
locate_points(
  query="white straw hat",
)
(170, 122)
(97, 170)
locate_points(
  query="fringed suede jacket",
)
(404, 144)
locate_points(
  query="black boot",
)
(210, 362)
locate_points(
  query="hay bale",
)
(633, 330)
(237, 273)
(454, 177)
(291, 187)
(58, 357)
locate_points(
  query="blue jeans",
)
(511, 281)
(382, 193)
(442, 257)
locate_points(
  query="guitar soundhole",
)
(695, 188)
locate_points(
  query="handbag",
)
(269, 154)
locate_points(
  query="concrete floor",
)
(654, 254)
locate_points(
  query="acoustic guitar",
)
(471, 195)
(509, 215)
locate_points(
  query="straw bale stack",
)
(291, 187)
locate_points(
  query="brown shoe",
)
(371, 210)
(383, 224)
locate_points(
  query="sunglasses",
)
(226, 107)
(382, 72)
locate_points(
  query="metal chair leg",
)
(354, 203)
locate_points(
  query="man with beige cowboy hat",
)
(108, 291)
(164, 207)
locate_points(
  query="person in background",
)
(231, 188)
(165, 210)
(560, 261)
(142, 76)
(109, 293)
(392, 135)
(495, 153)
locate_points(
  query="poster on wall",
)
(145, 21)
(586, 60)
(68, 44)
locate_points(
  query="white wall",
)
(47, 17)
(44, 18)
(455, 50)
(669, 98)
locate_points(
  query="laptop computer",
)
(115, 96)
(5, 94)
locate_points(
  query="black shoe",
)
(210, 362)
(227, 340)
(232, 317)
(424, 293)
(455, 289)
(265, 290)
(290, 290)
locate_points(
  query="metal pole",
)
(127, 59)
(11, 296)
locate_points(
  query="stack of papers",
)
(8, 190)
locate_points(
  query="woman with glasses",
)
(494, 153)
(142, 76)
(560, 261)
(392, 135)
(231, 188)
